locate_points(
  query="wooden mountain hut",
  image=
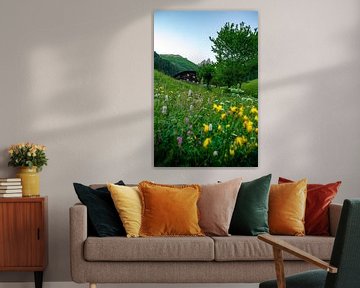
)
(188, 75)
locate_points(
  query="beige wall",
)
(77, 76)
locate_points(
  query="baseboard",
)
(74, 285)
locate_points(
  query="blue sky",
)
(187, 32)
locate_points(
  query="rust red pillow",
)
(319, 197)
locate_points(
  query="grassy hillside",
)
(251, 87)
(197, 127)
(180, 62)
(164, 65)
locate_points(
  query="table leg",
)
(38, 279)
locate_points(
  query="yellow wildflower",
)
(245, 118)
(206, 128)
(206, 143)
(232, 151)
(240, 140)
(256, 118)
(249, 126)
(219, 128)
(217, 108)
(233, 109)
(223, 115)
(254, 110)
(241, 111)
(256, 130)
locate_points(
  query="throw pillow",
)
(127, 201)
(216, 206)
(102, 214)
(169, 210)
(319, 197)
(287, 204)
(250, 215)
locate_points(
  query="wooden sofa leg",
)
(92, 285)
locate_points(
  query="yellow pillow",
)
(287, 204)
(169, 210)
(127, 201)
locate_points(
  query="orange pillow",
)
(318, 199)
(169, 210)
(287, 204)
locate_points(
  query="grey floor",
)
(74, 285)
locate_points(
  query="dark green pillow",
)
(250, 216)
(103, 218)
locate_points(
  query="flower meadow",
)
(199, 127)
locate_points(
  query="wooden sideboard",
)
(23, 235)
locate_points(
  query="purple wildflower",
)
(179, 140)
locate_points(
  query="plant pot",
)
(30, 181)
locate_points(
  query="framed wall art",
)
(205, 89)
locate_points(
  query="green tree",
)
(228, 74)
(206, 72)
(236, 52)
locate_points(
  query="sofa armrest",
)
(334, 217)
(78, 235)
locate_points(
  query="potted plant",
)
(30, 158)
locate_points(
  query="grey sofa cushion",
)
(249, 248)
(149, 249)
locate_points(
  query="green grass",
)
(197, 127)
(251, 88)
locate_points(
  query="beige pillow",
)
(216, 206)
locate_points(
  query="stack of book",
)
(10, 187)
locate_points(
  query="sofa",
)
(233, 259)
